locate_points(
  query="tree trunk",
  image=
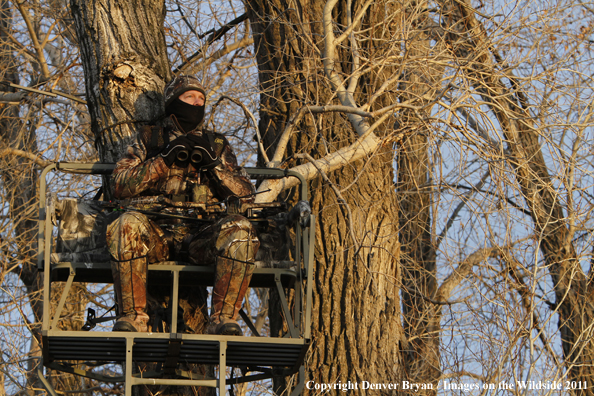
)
(421, 317)
(126, 67)
(356, 326)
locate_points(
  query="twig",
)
(227, 48)
(213, 37)
(431, 300)
(68, 392)
(188, 24)
(465, 199)
(251, 116)
(522, 291)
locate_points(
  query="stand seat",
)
(192, 275)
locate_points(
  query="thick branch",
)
(12, 97)
(38, 48)
(463, 270)
(52, 92)
(25, 154)
(354, 23)
(356, 151)
(290, 126)
(346, 99)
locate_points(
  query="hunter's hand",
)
(202, 154)
(178, 150)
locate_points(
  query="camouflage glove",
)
(177, 151)
(202, 154)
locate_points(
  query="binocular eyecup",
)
(195, 156)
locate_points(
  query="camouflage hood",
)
(179, 85)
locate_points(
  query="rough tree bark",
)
(356, 314)
(125, 61)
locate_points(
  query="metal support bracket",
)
(65, 293)
(286, 311)
(222, 366)
(248, 322)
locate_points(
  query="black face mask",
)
(189, 117)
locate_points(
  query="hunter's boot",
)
(232, 278)
(129, 281)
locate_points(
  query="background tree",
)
(33, 128)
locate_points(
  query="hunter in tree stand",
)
(181, 161)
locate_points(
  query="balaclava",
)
(189, 117)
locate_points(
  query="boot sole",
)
(230, 329)
(124, 326)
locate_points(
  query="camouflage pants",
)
(229, 244)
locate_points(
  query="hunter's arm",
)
(231, 179)
(136, 175)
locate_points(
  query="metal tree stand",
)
(262, 357)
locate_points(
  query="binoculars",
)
(195, 156)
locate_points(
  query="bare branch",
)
(250, 115)
(24, 154)
(524, 292)
(353, 23)
(463, 270)
(461, 205)
(362, 148)
(214, 37)
(226, 49)
(33, 34)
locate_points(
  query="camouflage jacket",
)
(142, 173)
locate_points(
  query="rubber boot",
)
(232, 279)
(129, 281)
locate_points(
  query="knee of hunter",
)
(237, 238)
(130, 226)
